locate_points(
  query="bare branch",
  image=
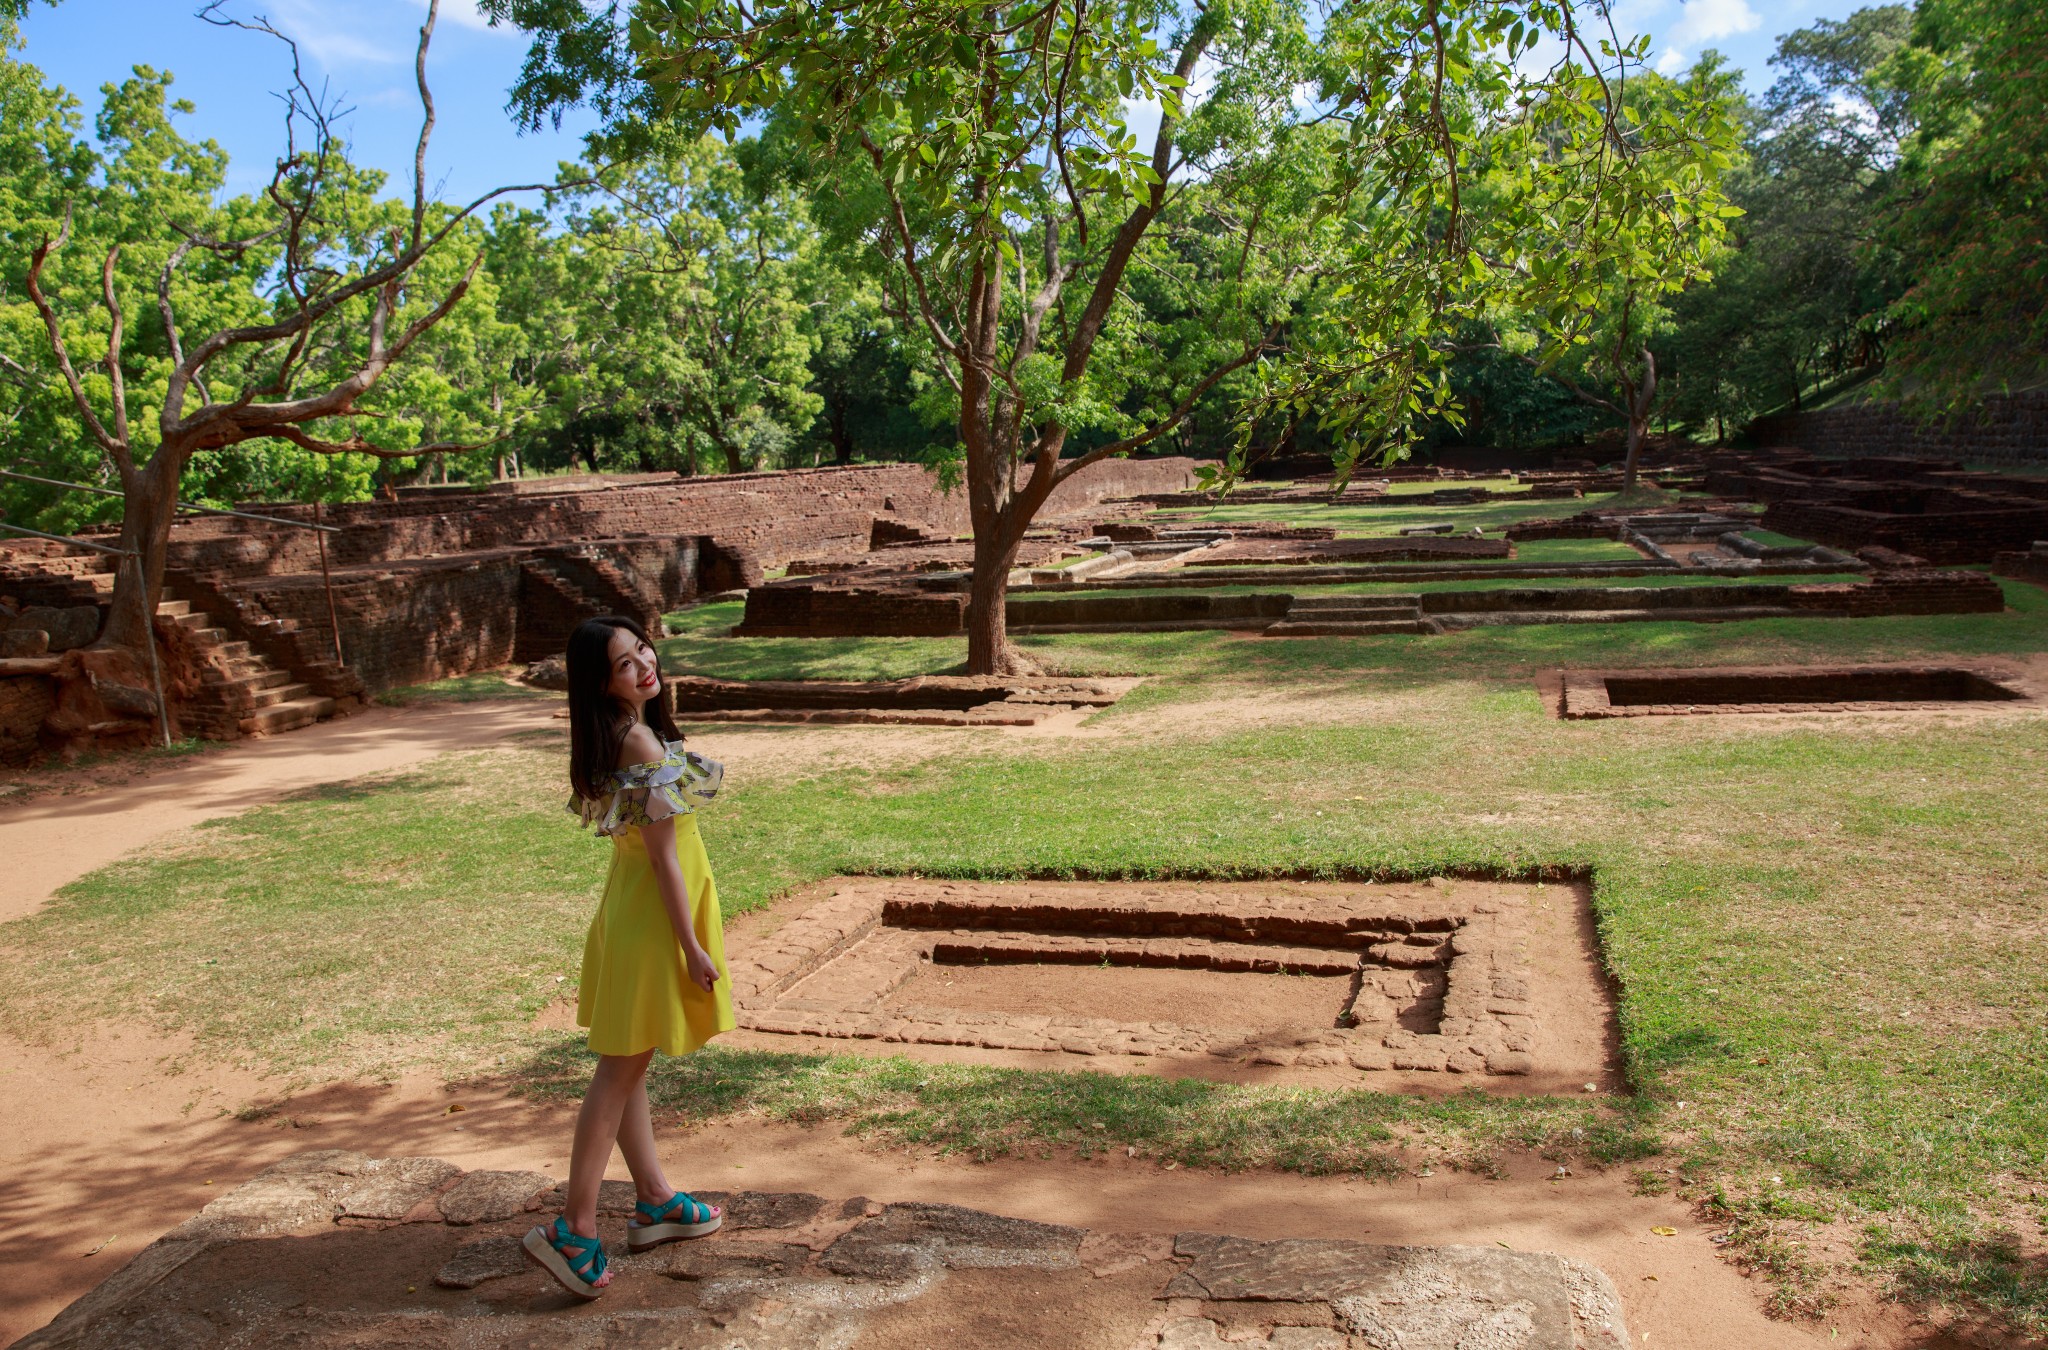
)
(909, 244)
(114, 447)
(419, 154)
(356, 445)
(114, 332)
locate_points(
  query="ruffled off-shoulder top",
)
(640, 794)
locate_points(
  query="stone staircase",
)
(240, 693)
(1352, 616)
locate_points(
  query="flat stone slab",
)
(1414, 1298)
(482, 1197)
(277, 1261)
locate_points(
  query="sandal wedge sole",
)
(640, 1238)
(543, 1254)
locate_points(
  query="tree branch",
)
(115, 377)
(1177, 416)
(910, 264)
(116, 448)
(419, 154)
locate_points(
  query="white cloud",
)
(1672, 61)
(329, 39)
(463, 14)
(1705, 20)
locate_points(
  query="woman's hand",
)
(703, 973)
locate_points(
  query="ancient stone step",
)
(173, 609)
(265, 697)
(287, 716)
(209, 637)
(194, 620)
(1167, 953)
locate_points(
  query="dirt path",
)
(60, 836)
(123, 1148)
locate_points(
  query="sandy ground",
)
(110, 1142)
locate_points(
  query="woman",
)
(654, 961)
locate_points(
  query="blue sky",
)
(363, 50)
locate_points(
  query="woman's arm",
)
(642, 747)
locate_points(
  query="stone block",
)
(1402, 1296)
(907, 1238)
(485, 1197)
(70, 627)
(391, 1188)
(24, 642)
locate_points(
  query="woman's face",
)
(636, 676)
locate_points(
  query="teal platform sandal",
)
(682, 1216)
(577, 1263)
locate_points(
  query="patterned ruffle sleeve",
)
(640, 794)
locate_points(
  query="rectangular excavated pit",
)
(928, 700)
(1239, 979)
(1787, 689)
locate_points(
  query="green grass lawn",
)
(1380, 520)
(1829, 938)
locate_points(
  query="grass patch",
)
(985, 1112)
(481, 686)
(1576, 551)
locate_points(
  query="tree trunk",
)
(733, 462)
(1645, 397)
(149, 503)
(989, 651)
(835, 431)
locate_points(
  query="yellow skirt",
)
(636, 993)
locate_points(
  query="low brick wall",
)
(771, 516)
(425, 620)
(1939, 535)
(852, 611)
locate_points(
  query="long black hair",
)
(598, 723)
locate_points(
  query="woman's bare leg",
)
(617, 1082)
(636, 1141)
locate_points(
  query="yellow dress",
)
(636, 992)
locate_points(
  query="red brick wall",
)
(2009, 430)
(776, 516)
(25, 700)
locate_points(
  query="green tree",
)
(1971, 198)
(1012, 195)
(1596, 332)
(1801, 294)
(212, 364)
(701, 293)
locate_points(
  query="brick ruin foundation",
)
(443, 582)
(1792, 689)
(925, 700)
(1930, 508)
(1357, 978)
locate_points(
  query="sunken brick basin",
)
(1309, 552)
(1760, 689)
(928, 700)
(1195, 978)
